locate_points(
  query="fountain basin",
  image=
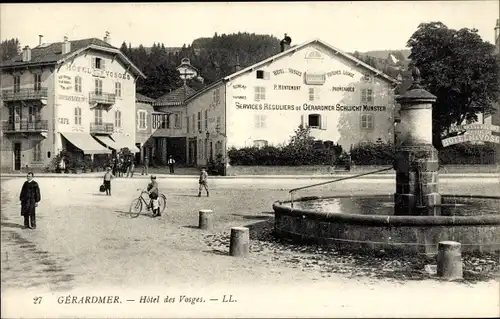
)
(369, 223)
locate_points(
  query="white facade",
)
(342, 99)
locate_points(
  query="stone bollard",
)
(449, 260)
(205, 219)
(240, 242)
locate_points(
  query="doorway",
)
(17, 156)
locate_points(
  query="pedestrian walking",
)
(131, 168)
(171, 163)
(108, 176)
(203, 181)
(145, 168)
(29, 197)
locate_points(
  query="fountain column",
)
(416, 160)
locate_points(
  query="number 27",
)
(37, 300)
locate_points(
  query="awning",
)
(86, 143)
(122, 141)
(106, 140)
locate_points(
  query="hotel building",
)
(341, 99)
(73, 95)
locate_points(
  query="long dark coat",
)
(30, 195)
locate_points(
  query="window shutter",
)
(302, 120)
(93, 63)
(323, 121)
(103, 64)
(266, 75)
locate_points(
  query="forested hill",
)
(214, 57)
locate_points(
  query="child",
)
(107, 180)
(154, 191)
(203, 181)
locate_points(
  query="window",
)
(314, 120)
(177, 120)
(199, 122)
(98, 87)
(31, 114)
(37, 152)
(262, 75)
(98, 116)
(98, 63)
(367, 122)
(160, 121)
(78, 84)
(193, 123)
(17, 83)
(260, 121)
(218, 127)
(200, 148)
(118, 119)
(314, 55)
(367, 77)
(366, 96)
(78, 116)
(260, 143)
(118, 89)
(38, 82)
(206, 120)
(187, 124)
(217, 96)
(313, 94)
(315, 78)
(141, 119)
(260, 93)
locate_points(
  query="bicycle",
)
(137, 203)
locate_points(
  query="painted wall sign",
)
(239, 86)
(342, 89)
(63, 120)
(72, 98)
(340, 72)
(240, 97)
(65, 82)
(280, 87)
(97, 72)
(310, 107)
(473, 126)
(289, 70)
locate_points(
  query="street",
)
(85, 240)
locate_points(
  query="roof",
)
(47, 54)
(175, 97)
(142, 98)
(296, 48)
(187, 65)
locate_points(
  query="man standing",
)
(146, 166)
(29, 197)
(171, 163)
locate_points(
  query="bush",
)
(373, 154)
(468, 153)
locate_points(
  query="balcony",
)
(25, 94)
(25, 126)
(101, 128)
(102, 98)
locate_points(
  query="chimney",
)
(26, 54)
(107, 38)
(237, 67)
(285, 43)
(66, 46)
(40, 39)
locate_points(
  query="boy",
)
(153, 195)
(107, 180)
(203, 181)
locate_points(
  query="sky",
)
(349, 26)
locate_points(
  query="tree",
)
(9, 49)
(460, 69)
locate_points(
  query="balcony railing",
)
(102, 98)
(101, 128)
(25, 94)
(25, 126)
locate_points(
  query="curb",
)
(333, 176)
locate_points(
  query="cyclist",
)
(153, 195)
